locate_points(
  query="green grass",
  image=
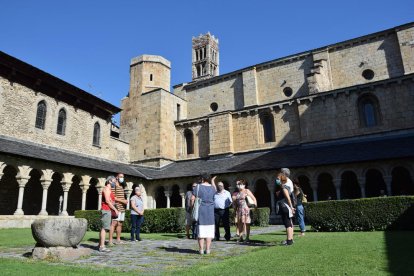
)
(344, 253)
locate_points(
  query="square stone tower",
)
(205, 57)
(149, 111)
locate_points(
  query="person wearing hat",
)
(222, 202)
(137, 214)
(108, 201)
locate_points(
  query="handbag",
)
(250, 202)
(196, 207)
(304, 199)
(113, 214)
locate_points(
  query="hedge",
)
(171, 220)
(164, 220)
(367, 214)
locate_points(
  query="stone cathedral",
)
(341, 117)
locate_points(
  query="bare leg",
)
(187, 231)
(102, 238)
(208, 244)
(289, 233)
(244, 229)
(112, 230)
(201, 244)
(118, 231)
(247, 230)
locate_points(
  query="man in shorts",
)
(120, 204)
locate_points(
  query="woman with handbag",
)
(203, 206)
(242, 200)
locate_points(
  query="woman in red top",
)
(108, 200)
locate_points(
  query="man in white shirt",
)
(222, 202)
(289, 182)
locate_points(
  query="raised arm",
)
(213, 182)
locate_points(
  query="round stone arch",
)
(175, 197)
(262, 192)
(350, 188)
(54, 193)
(326, 189)
(381, 169)
(374, 182)
(75, 195)
(402, 181)
(9, 189)
(33, 191)
(92, 195)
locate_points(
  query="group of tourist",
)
(113, 208)
(214, 203)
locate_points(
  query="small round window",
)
(213, 107)
(287, 91)
(368, 74)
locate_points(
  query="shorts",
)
(106, 219)
(188, 219)
(121, 217)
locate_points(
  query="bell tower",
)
(205, 57)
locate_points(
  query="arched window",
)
(41, 115)
(266, 120)
(61, 125)
(96, 134)
(189, 141)
(369, 114)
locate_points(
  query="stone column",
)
(182, 199)
(66, 183)
(45, 185)
(99, 188)
(22, 183)
(337, 183)
(361, 182)
(128, 191)
(45, 180)
(99, 197)
(2, 166)
(388, 183)
(168, 195)
(84, 184)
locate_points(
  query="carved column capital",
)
(66, 185)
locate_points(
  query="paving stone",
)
(154, 256)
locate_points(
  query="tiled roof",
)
(315, 154)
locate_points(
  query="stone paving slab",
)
(155, 256)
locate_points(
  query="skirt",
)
(206, 231)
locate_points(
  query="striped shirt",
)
(120, 194)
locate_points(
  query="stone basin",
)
(59, 232)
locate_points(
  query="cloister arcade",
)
(41, 188)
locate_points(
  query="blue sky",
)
(90, 43)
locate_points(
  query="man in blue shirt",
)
(222, 202)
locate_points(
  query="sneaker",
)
(139, 239)
(207, 252)
(133, 240)
(286, 243)
(104, 249)
(201, 252)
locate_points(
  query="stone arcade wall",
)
(18, 115)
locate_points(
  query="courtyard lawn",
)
(345, 253)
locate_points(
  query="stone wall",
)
(18, 115)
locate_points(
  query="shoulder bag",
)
(250, 202)
(196, 207)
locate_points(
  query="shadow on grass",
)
(178, 236)
(179, 250)
(400, 244)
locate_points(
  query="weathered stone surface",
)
(54, 232)
(60, 253)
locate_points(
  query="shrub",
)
(367, 214)
(259, 216)
(171, 220)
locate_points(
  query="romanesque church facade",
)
(341, 117)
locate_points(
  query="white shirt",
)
(222, 200)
